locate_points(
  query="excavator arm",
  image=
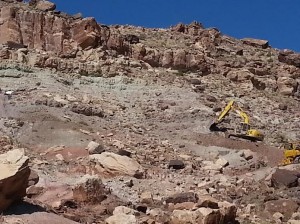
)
(230, 106)
(242, 114)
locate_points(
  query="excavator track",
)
(296, 160)
(241, 136)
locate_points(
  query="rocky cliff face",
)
(37, 36)
(46, 31)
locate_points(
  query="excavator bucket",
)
(213, 127)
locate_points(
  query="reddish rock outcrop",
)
(286, 85)
(54, 40)
(289, 58)
(86, 33)
(256, 42)
(284, 206)
(194, 29)
(53, 33)
(45, 5)
(284, 178)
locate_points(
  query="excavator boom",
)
(224, 113)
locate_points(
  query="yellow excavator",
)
(291, 153)
(245, 133)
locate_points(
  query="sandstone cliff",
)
(38, 36)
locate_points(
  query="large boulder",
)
(259, 83)
(284, 178)
(256, 42)
(167, 58)
(284, 206)
(117, 164)
(180, 27)
(13, 177)
(209, 216)
(228, 211)
(152, 57)
(182, 197)
(87, 110)
(201, 215)
(239, 75)
(179, 59)
(4, 53)
(52, 194)
(208, 202)
(89, 189)
(209, 165)
(289, 58)
(95, 148)
(86, 33)
(124, 210)
(184, 216)
(182, 59)
(138, 51)
(122, 215)
(121, 218)
(116, 42)
(286, 85)
(194, 28)
(45, 5)
(210, 212)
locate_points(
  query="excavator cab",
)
(255, 135)
(245, 127)
(244, 131)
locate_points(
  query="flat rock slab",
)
(114, 163)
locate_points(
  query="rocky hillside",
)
(114, 122)
(35, 36)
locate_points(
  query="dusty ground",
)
(142, 110)
(155, 120)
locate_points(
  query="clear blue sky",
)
(275, 20)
